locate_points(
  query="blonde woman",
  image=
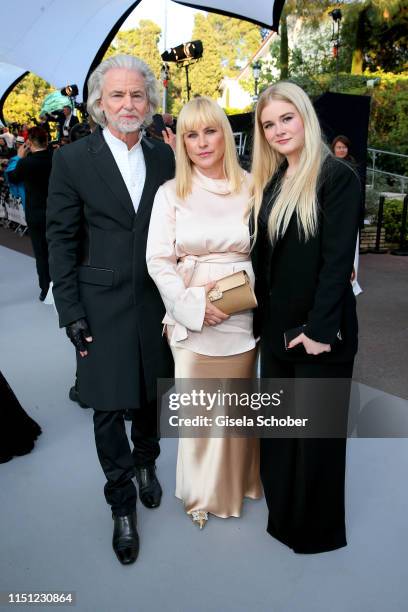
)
(305, 211)
(198, 234)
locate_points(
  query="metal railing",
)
(375, 153)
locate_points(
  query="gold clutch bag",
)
(233, 293)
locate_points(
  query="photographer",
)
(34, 171)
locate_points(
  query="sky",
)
(180, 20)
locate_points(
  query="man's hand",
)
(311, 346)
(23, 150)
(79, 334)
(213, 315)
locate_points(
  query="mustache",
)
(128, 116)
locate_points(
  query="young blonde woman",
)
(198, 234)
(305, 212)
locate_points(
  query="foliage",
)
(228, 45)
(392, 221)
(141, 42)
(374, 35)
(26, 99)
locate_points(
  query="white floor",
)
(55, 528)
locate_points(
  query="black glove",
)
(77, 332)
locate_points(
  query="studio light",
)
(192, 50)
(71, 91)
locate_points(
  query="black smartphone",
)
(159, 124)
(291, 334)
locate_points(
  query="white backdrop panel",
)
(8, 74)
(58, 40)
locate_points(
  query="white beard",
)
(125, 126)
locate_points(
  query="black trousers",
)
(116, 458)
(303, 479)
(40, 247)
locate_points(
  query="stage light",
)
(70, 91)
(192, 50)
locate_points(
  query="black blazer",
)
(61, 122)
(34, 171)
(97, 247)
(308, 283)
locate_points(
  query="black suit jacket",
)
(308, 283)
(34, 171)
(97, 248)
(61, 122)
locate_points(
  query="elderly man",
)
(100, 198)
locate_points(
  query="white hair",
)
(95, 85)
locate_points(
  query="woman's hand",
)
(311, 346)
(213, 315)
(353, 275)
(169, 138)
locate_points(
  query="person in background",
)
(16, 189)
(33, 170)
(67, 122)
(9, 138)
(340, 147)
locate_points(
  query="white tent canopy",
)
(59, 41)
(263, 12)
(9, 74)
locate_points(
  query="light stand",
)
(256, 71)
(184, 55)
(336, 15)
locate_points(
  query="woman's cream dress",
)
(191, 242)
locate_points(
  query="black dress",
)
(18, 431)
(308, 283)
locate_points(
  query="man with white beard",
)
(100, 198)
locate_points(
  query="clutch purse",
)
(233, 293)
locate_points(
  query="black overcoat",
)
(97, 248)
(308, 283)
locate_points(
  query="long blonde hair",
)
(202, 111)
(300, 192)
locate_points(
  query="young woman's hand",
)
(311, 346)
(213, 315)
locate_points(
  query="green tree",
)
(228, 45)
(314, 12)
(26, 99)
(374, 35)
(141, 42)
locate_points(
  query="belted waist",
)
(186, 265)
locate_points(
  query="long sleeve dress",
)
(192, 242)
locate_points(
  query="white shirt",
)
(9, 139)
(131, 164)
(65, 129)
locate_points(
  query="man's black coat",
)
(97, 250)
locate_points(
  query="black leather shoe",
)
(73, 396)
(150, 491)
(125, 539)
